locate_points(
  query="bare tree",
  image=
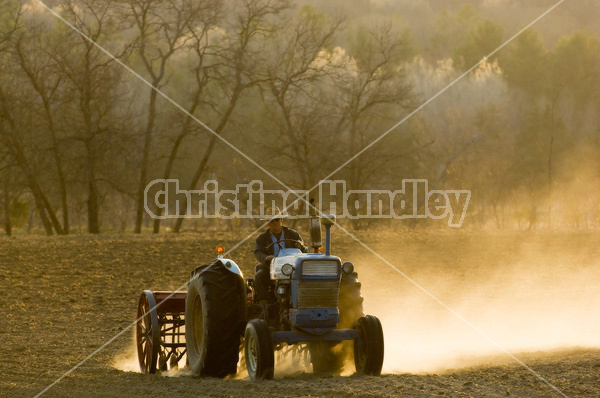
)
(15, 118)
(299, 90)
(10, 19)
(162, 28)
(93, 81)
(238, 72)
(203, 48)
(10, 135)
(45, 80)
(378, 85)
(6, 33)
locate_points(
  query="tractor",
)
(317, 315)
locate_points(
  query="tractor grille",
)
(318, 294)
(319, 268)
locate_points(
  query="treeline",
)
(297, 90)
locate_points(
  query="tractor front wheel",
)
(368, 349)
(258, 350)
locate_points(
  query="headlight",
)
(348, 267)
(287, 269)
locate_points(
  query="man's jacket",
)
(260, 250)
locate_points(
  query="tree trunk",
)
(51, 213)
(208, 152)
(139, 216)
(93, 207)
(41, 201)
(168, 168)
(93, 204)
(550, 182)
(195, 179)
(6, 203)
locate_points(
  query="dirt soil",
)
(533, 294)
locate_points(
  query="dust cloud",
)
(127, 361)
(537, 293)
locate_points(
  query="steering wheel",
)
(285, 240)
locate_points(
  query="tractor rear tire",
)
(350, 301)
(214, 319)
(351, 310)
(368, 349)
(258, 350)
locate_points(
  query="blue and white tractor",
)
(317, 314)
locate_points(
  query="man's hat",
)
(273, 213)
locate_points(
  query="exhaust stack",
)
(328, 220)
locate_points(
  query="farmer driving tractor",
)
(308, 304)
(268, 245)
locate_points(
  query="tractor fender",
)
(231, 266)
(227, 263)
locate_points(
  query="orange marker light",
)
(320, 247)
(220, 249)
